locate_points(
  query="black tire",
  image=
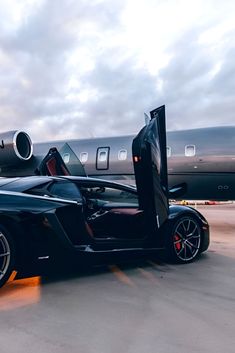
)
(7, 255)
(183, 240)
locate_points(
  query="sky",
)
(79, 68)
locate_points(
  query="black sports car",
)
(46, 217)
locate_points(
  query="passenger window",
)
(102, 157)
(66, 158)
(190, 150)
(168, 151)
(83, 157)
(122, 155)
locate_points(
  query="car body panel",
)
(149, 158)
(24, 202)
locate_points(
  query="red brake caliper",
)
(177, 245)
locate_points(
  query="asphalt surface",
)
(142, 307)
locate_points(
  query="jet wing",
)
(150, 166)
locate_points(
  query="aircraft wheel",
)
(184, 240)
(7, 255)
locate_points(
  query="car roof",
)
(87, 180)
(5, 181)
(22, 184)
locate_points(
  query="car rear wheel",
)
(7, 255)
(184, 240)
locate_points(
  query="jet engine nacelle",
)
(15, 147)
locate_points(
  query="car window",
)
(65, 190)
(111, 195)
(41, 190)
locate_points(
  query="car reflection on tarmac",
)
(20, 293)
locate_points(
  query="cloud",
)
(198, 83)
(78, 69)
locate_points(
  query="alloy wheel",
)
(5, 255)
(187, 239)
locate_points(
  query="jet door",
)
(150, 166)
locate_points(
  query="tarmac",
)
(141, 307)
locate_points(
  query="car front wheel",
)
(184, 240)
(7, 255)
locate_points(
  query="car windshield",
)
(111, 195)
(61, 189)
(65, 190)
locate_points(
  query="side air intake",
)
(15, 147)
